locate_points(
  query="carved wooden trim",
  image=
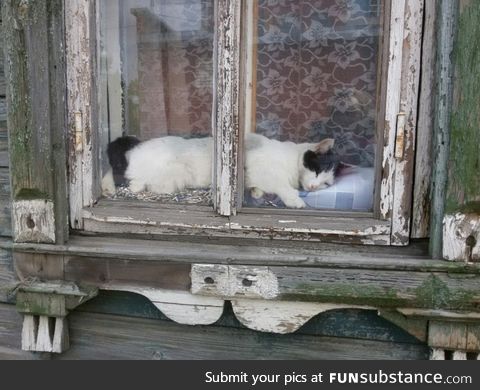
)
(33, 221)
(280, 317)
(461, 237)
(45, 307)
(180, 306)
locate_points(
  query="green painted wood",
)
(446, 28)
(5, 203)
(35, 78)
(463, 191)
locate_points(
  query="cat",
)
(170, 164)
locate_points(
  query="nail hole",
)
(209, 280)
(30, 222)
(471, 241)
(247, 283)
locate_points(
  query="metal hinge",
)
(78, 132)
(400, 138)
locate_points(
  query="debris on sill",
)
(188, 196)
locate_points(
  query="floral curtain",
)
(317, 73)
(175, 68)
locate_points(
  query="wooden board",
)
(198, 250)
(35, 75)
(92, 338)
(7, 276)
(134, 217)
(423, 159)
(5, 203)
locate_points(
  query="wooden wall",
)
(120, 325)
(463, 192)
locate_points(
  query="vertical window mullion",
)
(226, 105)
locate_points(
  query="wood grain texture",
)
(393, 86)
(445, 41)
(381, 289)
(7, 276)
(11, 336)
(91, 337)
(81, 101)
(138, 218)
(88, 250)
(461, 235)
(410, 81)
(423, 158)
(5, 203)
(35, 97)
(463, 189)
(226, 104)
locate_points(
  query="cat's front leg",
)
(136, 186)
(290, 197)
(257, 193)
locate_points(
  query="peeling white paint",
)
(33, 221)
(456, 229)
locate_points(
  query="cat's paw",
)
(295, 203)
(136, 186)
(108, 184)
(257, 193)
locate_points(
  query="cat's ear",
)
(309, 160)
(325, 145)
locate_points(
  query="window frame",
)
(390, 224)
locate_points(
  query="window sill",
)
(124, 217)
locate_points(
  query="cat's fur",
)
(170, 164)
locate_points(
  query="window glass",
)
(155, 92)
(312, 76)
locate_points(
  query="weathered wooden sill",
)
(130, 217)
(311, 272)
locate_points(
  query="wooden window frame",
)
(389, 226)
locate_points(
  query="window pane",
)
(312, 78)
(156, 65)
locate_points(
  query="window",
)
(333, 76)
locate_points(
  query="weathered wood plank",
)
(226, 104)
(44, 267)
(404, 165)
(5, 203)
(124, 217)
(381, 289)
(446, 31)
(119, 272)
(393, 86)
(99, 336)
(11, 336)
(35, 86)
(188, 250)
(463, 191)
(423, 158)
(92, 338)
(82, 107)
(7, 276)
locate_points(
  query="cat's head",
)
(319, 166)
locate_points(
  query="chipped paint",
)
(457, 228)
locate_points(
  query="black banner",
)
(253, 374)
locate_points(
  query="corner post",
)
(35, 74)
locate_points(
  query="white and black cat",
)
(171, 164)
